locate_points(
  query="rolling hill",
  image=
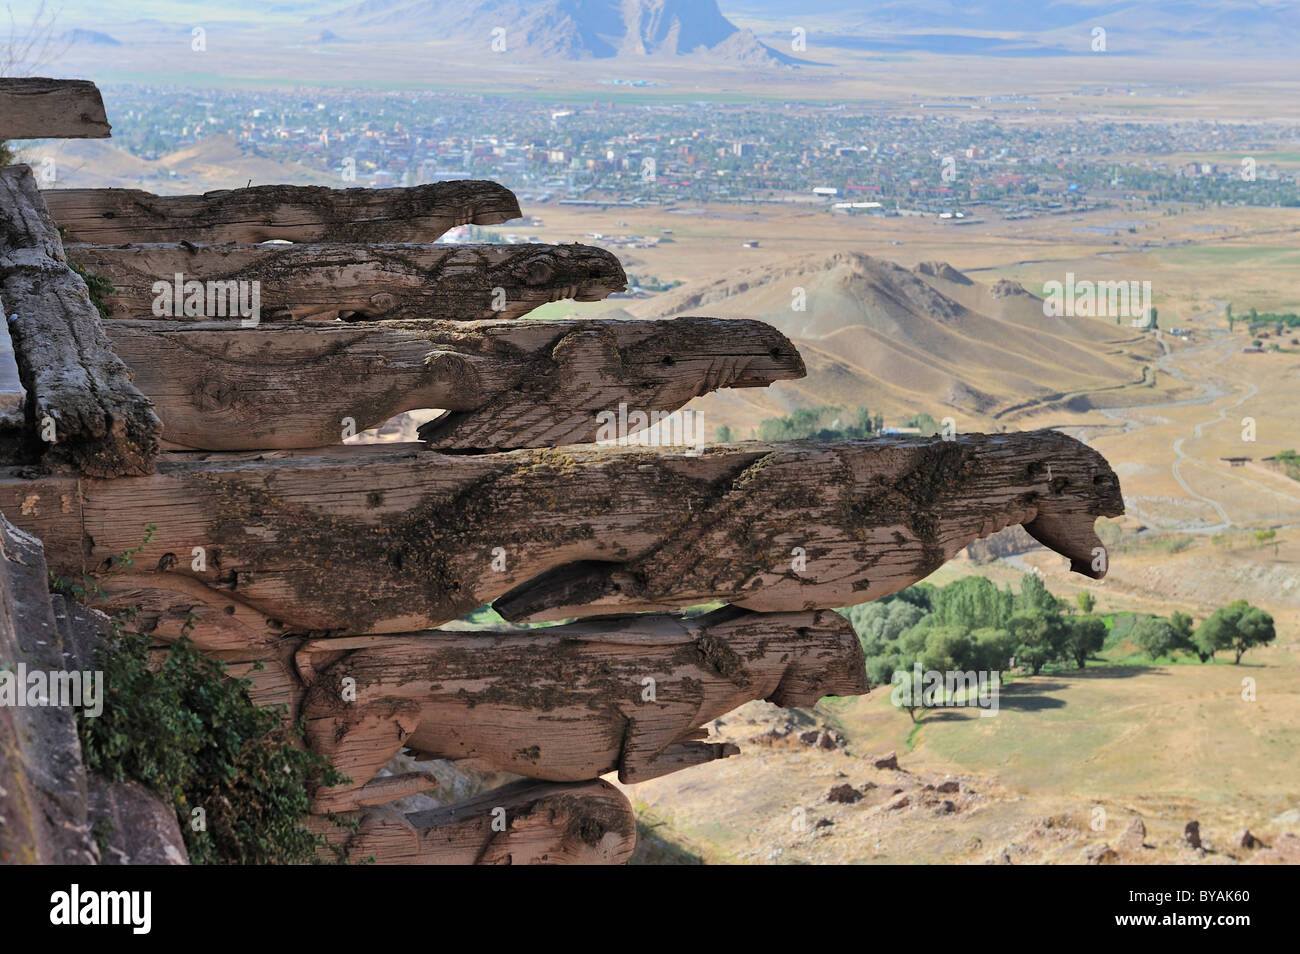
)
(907, 341)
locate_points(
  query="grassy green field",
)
(1170, 739)
(1259, 256)
(1109, 731)
(1170, 743)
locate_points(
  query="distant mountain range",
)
(568, 29)
(1052, 25)
(708, 29)
(1033, 16)
(93, 37)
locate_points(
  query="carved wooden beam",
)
(166, 607)
(81, 406)
(396, 538)
(41, 108)
(315, 282)
(566, 703)
(294, 213)
(506, 384)
(524, 823)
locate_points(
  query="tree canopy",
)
(1236, 627)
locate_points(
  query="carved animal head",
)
(492, 204)
(1069, 510)
(755, 353)
(835, 666)
(580, 272)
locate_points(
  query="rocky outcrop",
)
(51, 810)
(133, 825)
(1134, 835)
(43, 812)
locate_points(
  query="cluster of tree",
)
(832, 422)
(1236, 628)
(827, 423)
(971, 624)
(650, 283)
(1255, 319)
(927, 425)
(1290, 462)
(1165, 185)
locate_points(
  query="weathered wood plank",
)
(81, 406)
(506, 384)
(566, 703)
(524, 823)
(251, 646)
(385, 788)
(396, 538)
(324, 282)
(42, 108)
(294, 213)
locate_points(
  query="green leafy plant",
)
(1237, 627)
(187, 731)
(97, 286)
(1290, 462)
(236, 774)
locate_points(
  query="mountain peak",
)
(572, 29)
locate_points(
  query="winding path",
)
(1213, 389)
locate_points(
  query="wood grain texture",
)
(358, 282)
(398, 538)
(566, 703)
(505, 384)
(78, 391)
(294, 213)
(546, 823)
(42, 108)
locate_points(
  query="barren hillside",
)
(907, 341)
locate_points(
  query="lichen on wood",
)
(503, 384)
(82, 409)
(294, 213)
(358, 282)
(625, 694)
(394, 538)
